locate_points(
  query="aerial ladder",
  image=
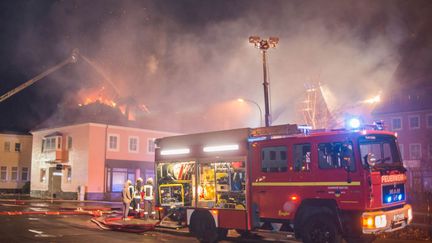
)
(73, 58)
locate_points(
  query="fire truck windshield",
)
(383, 148)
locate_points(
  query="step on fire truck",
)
(324, 186)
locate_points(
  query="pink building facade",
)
(90, 160)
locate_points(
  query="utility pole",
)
(264, 45)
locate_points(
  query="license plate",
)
(398, 217)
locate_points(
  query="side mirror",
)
(371, 159)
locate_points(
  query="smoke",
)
(193, 57)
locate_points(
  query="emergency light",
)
(220, 148)
(354, 123)
(175, 151)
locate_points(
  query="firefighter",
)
(148, 199)
(127, 198)
(137, 194)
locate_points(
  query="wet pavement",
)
(76, 228)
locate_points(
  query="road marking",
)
(35, 231)
(43, 235)
(38, 209)
(33, 218)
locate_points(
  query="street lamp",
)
(253, 102)
(264, 45)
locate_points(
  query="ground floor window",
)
(117, 178)
(3, 173)
(14, 174)
(24, 173)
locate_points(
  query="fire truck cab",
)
(320, 185)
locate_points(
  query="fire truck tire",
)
(321, 228)
(203, 227)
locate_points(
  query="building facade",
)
(410, 115)
(90, 159)
(15, 161)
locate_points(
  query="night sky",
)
(192, 57)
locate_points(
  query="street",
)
(75, 228)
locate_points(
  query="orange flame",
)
(93, 96)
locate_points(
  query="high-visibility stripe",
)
(309, 183)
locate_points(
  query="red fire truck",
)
(324, 186)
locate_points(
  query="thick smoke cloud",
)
(192, 58)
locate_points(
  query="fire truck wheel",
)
(203, 227)
(321, 229)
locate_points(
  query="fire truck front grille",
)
(393, 193)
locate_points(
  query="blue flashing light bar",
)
(354, 123)
(389, 199)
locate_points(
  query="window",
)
(415, 151)
(335, 155)
(274, 159)
(7, 146)
(17, 147)
(68, 176)
(69, 142)
(382, 147)
(3, 173)
(430, 151)
(401, 149)
(429, 120)
(14, 174)
(59, 142)
(118, 176)
(113, 142)
(133, 144)
(414, 122)
(24, 174)
(396, 123)
(42, 177)
(49, 144)
(151, 145)
(302, 157)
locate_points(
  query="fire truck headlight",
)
(380, 221)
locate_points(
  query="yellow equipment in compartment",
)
(174, 192)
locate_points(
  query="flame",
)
(98, 95)
(373, 100)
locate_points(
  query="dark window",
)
(335, 155)
(302, 157)
(274, 159)
(17, 147)
(396, 123)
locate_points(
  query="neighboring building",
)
(92, 157)
(409, 113)
(15, 160)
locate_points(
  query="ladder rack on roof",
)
(280, 130)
